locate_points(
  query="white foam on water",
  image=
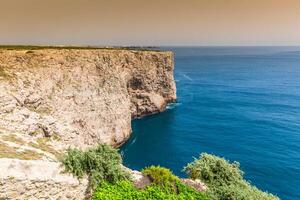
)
(172, 106)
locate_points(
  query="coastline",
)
(55, 98)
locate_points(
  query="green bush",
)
(102, 163)
(165, 186)
(224, 179)
(125, 190)
(161, 176)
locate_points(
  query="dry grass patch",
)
(29, 155)
(4, 73)
(56, 137)
(11, 152)
(41, 143)
(14, 139)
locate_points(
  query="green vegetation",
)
(125, 190)
(161, 176)
(224, 179)
(102, 163)
(109, 181)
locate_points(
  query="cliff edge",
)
(51, 99)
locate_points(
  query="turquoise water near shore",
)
(241, 103)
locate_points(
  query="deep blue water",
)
(242, 103)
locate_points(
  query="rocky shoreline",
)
(51, 99)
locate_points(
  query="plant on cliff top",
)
(101, 163)
(126, 190)
(224, 179)
(161, 176)
(165, 186)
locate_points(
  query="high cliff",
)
(51, 99)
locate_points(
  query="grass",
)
(14, 139)
(41, 144)
(11, 152)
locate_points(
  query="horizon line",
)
(136, 46)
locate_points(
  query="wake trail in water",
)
(187, 77)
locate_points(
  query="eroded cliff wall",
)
(82, 96)
(54, 98)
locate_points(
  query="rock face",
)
(83, 96)
(28, 180)
(54, 98)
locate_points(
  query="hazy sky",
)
(150, 22)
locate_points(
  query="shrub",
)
(161, 176)
(102, 163)
(214, 170)
(126, 190)
(224, 179)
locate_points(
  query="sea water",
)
(241, 103)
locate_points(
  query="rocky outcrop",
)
(196, 184)
(44, 180)
(51, 99)
(82, 96)
(38, 179)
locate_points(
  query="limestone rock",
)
(51, 99)
(196, 184)
(84, 96)
(33, 180)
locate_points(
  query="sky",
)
(150, 22)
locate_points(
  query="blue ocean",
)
(241, 103)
